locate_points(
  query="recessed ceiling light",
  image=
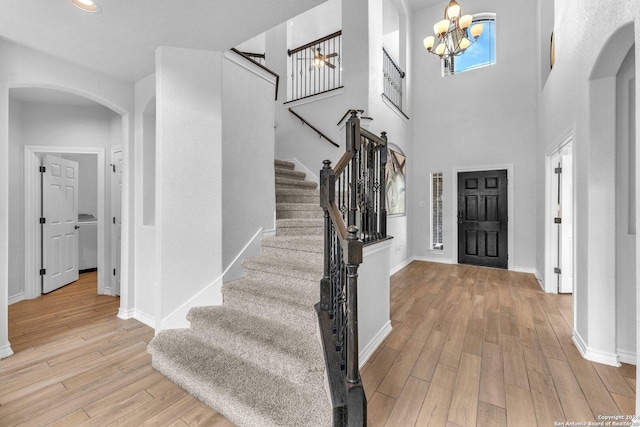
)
(86, 5)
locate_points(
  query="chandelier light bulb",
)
(86, 5)
(441, 27)
(464, 43)
(476, 31)
(429, 42)
(453, 11)
(440, 49)
(465, 22)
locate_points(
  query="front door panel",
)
(482, 218)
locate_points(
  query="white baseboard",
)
(5, 350)
(268, 233)
(368, 350)
(433, 259)
(610, 359)
(126, 314)
(16, 298)
(400, 266)
(627, 357)
(145, 318)
(525, 270)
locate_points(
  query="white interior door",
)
(116, 222)
(566, 228)
(60, 217)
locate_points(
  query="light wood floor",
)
(470, 346)
(76, 363)
(475, 346)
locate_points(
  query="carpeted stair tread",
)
(277, 347)
(290, 174)
(266, 301)
(284, 267)
(294, 183)
(283, 164)
(243, 392)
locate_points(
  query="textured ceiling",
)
(121, 40)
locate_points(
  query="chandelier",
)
(452, 33)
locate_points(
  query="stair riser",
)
(299, 231)
(282, 164)
(296, 198)
(313, 258)
(293, 185)
(275, 277)
(292, 214)
(290, 174)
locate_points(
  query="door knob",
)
(76, 227)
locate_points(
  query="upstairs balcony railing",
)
(393, 76)
(351, 193)
(315, 67)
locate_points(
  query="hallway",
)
(479, 346)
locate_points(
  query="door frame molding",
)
(112, 288)
(32, 231)
(510, 206)
(567, 137)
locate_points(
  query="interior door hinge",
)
(558, 170)
(556, 270)
(43, 271)
(557, 220)
(114, 219)
(42, 169)
(43, 220)
(114, 271)
(113, 167)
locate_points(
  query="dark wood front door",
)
(482, 218)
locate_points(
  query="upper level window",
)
(479, 54)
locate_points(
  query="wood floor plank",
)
(574, 404)
(428, 359)
(379, 407)
(407, 407)
(520, 410)
(394, 381)
(515, 370)
(464, 402)
(492, 376)
(613, 380)
(435, 409)
(490, 415)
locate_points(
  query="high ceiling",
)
(416, 5)
(120, 41)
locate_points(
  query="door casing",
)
(32, 288)
(510, 208)
(567, 137)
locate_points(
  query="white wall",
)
(580, 93)
(484, 117)
(16, 203)
(145, 231)
(22, 67)
(189, 188)
(248, 193)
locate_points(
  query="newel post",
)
(352, 258)
(383, 186)
(327, 195)
(357, 401)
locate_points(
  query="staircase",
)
(256, 359)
